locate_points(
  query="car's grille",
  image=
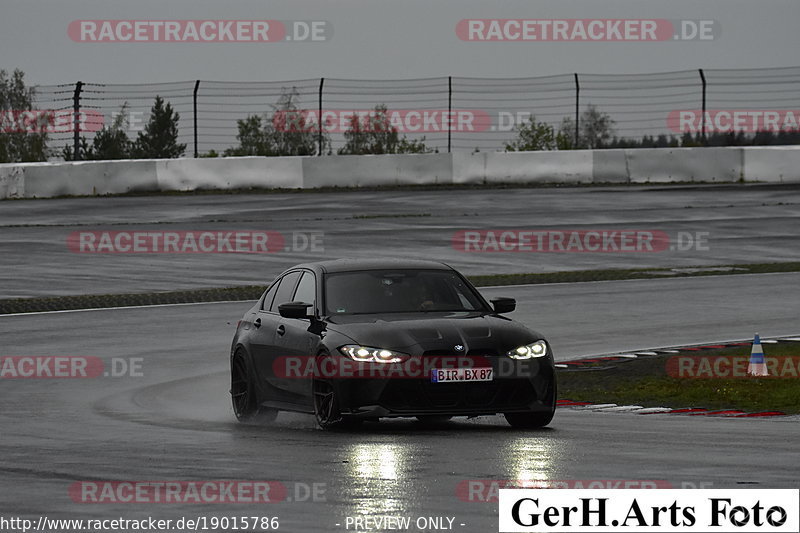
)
(451, 353)
(481, 396)
(443, 353)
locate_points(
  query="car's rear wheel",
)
(326, 402)
(243, 395)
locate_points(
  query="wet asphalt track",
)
(744, 225)
(174, 422)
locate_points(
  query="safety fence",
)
(449, 113)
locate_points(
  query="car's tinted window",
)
(306, 289)
(267, 301)
(397, 291)
(285, 290)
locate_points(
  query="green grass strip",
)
(645, 382)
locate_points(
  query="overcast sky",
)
(382, 39)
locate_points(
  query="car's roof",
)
(350, 265)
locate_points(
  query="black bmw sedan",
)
(355, 340)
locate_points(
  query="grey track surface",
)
(175, 423)
(744, 224)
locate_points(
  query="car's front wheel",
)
(535, 420)
(529, 420)
(326, 402)
(243, 395)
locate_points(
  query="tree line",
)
(286, 131)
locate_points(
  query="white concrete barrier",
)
(539, 167)
(230, 173)
(371, 170)
(657, 165)
(772, 163)
(12, 181)
(662, 165)
(610, 166)
(45, 180)
(469, 168)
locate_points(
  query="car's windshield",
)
(398, 291)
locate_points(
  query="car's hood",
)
(439, 332)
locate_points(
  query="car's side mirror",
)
(504, 305)
(295, 310)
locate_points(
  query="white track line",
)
(126, 307)
(637, 280)
(479, 289)
(673, 349)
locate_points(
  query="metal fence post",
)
(703, 123)
(449, 111)
(577, 110)
(319, 119)
(76, 121)
(194, 104)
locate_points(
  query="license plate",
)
(447, 375)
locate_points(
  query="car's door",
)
(296, 340)
(266, 323)
(261, 338)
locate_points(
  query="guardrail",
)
(659, 165)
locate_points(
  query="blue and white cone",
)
(757, 366)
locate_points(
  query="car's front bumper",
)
(527, 386)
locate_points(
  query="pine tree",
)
(159, 140)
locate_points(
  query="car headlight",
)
(529, 351)
(365, 354)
